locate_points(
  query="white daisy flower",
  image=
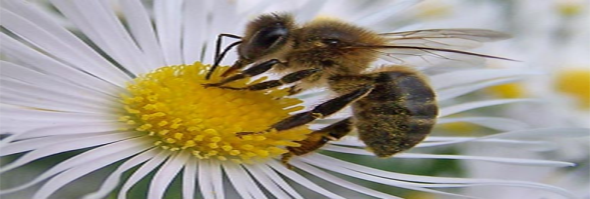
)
(119, 99)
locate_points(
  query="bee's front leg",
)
(250, 72)
(287, 79)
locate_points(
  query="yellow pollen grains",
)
(171, 106)
(576, 83)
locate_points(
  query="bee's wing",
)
(434, 46)
(444, 38)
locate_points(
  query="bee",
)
(394, 107)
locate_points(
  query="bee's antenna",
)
(219, 56)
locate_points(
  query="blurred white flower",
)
(551, 37)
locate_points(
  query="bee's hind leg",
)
(320, 111)
(317, 139)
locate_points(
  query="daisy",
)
(118, 98)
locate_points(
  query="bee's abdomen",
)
(398, 113)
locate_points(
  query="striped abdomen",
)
(398, 113)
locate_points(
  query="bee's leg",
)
(218, 54)
(294, 90)
(320, 111)
(317, 139)
(250, 72)
(337, 130)
(287, 79)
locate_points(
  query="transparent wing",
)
(436, 46)
(444, 38)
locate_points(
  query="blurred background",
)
(550, 36)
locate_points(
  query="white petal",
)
(516, 161)
(265, 181)
(9, 148)
(115, 177)
(309, 10)
(40, 149)
(14, 127)
(41, 62)
(432, 141)
(24, 74)
(189, 177)
(301, 180)
(54, 39)
(166, 174)
(339, 181)
(279, 180)
(74, 173)
(205, 180)
(242, 182)
(544, 133)
(40, 115)
(394, 10)
(99, 23)
(140, 173)
(255, 9)
(71, 129)
(44, 97)
(143, 32)
(425, 180)
(194, 30)
(216, 178)
(84, 158)
(168, 26)
(534, 134)
(464, 77)
(210, 179)
(221, 22)
(435, 139)
(478, 104)
(332, 164)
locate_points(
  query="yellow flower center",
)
(570, 8)
(576, 83)
(509, 90)
(433, 10)
(459, 128)
(172, 106)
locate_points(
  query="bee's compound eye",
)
(269, 36)
(264, 41)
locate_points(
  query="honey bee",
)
(394, 108)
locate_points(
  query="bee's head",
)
(265, 35)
